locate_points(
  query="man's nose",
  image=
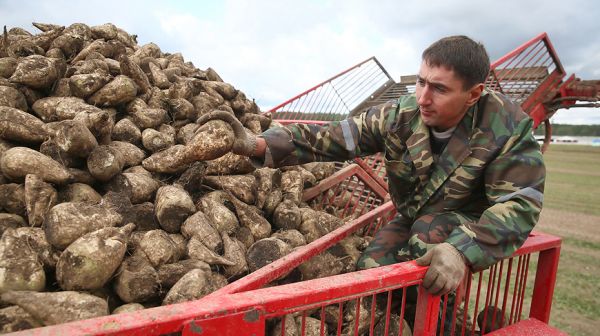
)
(424, 98)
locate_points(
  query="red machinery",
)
(531, 75)
(522, 288)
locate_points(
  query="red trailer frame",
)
(244, 306)
(249, 313)
(531, 73)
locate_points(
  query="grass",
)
(572, 209)
(573, 179)
(572, 212)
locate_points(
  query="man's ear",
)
(474, 93)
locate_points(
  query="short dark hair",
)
(467, 58)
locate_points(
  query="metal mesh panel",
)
(375, 166)
(488, 300)
(382, 312)
(521, 72)
(335, 98)
(350, 194)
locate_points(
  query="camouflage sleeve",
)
(514, 186)
(337, 141)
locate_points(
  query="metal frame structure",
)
(337, 96)
(361, 197)
(532, 75)
(244, 308)
(251, 312)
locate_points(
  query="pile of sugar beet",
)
(114, 199)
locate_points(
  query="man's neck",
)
(454, 124)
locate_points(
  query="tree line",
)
(574, 130)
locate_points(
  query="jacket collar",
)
(458, 148)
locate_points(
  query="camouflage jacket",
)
(491, 170)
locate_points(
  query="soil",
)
(575, 228)
(570, 224)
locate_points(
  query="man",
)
(465, 172)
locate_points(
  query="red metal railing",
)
(351, 194)
(374, 166)
(505, 286)
(242, 307)
(257, 311)
(530, 75)
(336, 97)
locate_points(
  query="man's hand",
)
(244, 143)
(446, 269)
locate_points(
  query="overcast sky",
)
(273, 50)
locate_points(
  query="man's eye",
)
(440, 89)
(421, 82)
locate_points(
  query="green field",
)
(572, 211)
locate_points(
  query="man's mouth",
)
(426, 113)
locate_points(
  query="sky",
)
(274, 50)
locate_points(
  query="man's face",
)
(441, 97)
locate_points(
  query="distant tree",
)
(573, 130)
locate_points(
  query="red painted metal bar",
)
(267, 302)
(494, 317)
(444, 309)
(250, 322)
(320, 84)
(522, 294)
(283, 265)
(506, 290)
(466, 306)
(352, 169)
(426, 315)
(477, 297)
(525, 53)
(554, 54)
(246, 311)
(513, 304)
(511, 70)
(538, 241)
(550, 83)
(488, 295)
(296, 121)
(375, 167)
(334, 98)
(545, 279)
(518, 50)
(402, 309)
(528, 327)
(357, 316)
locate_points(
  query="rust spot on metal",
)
(196, 329)
(111, 325)
(251, 316)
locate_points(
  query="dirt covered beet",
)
(112, 197)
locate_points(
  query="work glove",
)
(244, 143)
(446, 269)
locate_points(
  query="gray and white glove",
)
(447, 268)
(244, 143)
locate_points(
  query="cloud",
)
(577, 116)
(273, 50)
